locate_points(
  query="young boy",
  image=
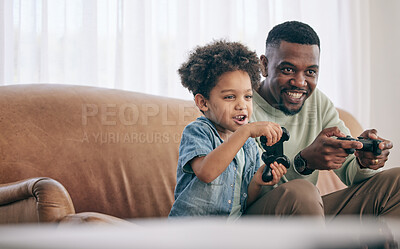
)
(219, 169)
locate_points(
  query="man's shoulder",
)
(319, 96)
(262, 109)
(318, 101)
(257, 99)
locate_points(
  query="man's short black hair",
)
(201, 72)
(293, 32)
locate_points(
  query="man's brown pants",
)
(376, 196)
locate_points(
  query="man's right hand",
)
(327, 153)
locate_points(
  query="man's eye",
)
(311, 73)
(229, 97)
(287, 70)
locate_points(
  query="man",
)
(289, 96)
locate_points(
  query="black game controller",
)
(274, 153)
(371, 145)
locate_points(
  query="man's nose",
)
(299, 80)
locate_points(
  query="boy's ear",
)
(264, 65)
(201, 102)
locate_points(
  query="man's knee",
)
(387, 188)
(300, 189)
(388, 180)
(392, 174)
(302, 196)
(296, 197)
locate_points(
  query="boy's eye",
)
(229, 97)
(249, 96)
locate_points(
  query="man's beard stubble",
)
(286, 111)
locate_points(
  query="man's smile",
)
(294, 96)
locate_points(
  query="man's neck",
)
(265, 94)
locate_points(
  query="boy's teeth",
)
(240, 117)
(295, 95)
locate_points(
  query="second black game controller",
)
(274, 153)
(371, 145)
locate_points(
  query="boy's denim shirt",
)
(196, 198)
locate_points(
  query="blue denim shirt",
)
(196, 198)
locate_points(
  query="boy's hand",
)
(278, 170)
(254, 190)
(272, 131)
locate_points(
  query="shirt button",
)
(232, 185)
(229, 201)
(245, 195)
(234, 168)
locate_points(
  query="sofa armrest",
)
(93, 218)
(34, 200)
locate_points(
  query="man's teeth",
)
(295, 95)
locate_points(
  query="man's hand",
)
(368, 159)
(327, 153)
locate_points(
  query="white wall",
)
(385, 72)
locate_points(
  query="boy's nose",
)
(240, 105)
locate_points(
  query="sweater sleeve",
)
(350, 173)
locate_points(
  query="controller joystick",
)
(370, 145)
(274, 153)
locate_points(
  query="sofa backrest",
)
(114, 151)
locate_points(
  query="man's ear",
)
(201, 102)
(264, 65)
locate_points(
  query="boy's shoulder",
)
(201, 122)
(201, 125)
(199, 134)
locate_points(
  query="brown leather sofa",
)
(79, 154)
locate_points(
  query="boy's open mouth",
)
(240, 119)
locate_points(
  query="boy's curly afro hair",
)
(207, 63)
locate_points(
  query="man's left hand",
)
(368, 159)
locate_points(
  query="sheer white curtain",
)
(138, 45)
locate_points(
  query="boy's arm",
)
(209, 167)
